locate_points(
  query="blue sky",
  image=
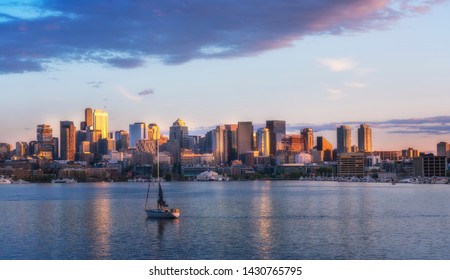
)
(312, 63)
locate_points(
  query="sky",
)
(313, 63)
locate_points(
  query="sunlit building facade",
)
(101, 122)
(365, 138)
(68, 140)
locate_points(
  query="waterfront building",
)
(344, 139)
(263, 141)
(324, 145)
(244, 137)
(101, 122)
(365, 138)
(138, 131)
(277, 130)
(430, 166)
(308, 138)
(179, 133)
(351, 164)
(68, 140)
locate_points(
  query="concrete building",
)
(351, 164)
(430, 166)
(138, 131)
(277, 130)
(263, 141)
(443, 149)
(324, 145)
(244, 137)
(308, 139)
(179, 133)
(68, 140)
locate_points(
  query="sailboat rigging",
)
(162, 211)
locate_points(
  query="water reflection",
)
(263, 208)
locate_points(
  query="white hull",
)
(162, 214)
(4, 181)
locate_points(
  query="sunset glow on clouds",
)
(316, 62)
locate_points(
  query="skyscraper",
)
(263, 141)
(219, 144)
(364, 138)
(100, 122)
(231, 142)
(122, 140)
(308, 137)
(244, 137)
(138, 131)
(277, 130)
(68, 140)
(179, 133)
(44, 135)
(443, 148)
(344, 139)
(153, 132)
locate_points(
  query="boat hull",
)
(162, 214)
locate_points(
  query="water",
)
(226, 220)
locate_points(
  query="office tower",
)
(85, 147)
(153, 132)
(219, 144)
(105, 146)
(344, 139)
(244, 137)
(88, 118)
(93, 136)
(231, 131)
(55, 148)
(443, 148)
(122, 140)
(308, 138)
(179, 133)
(364, 138)
(44, 135)
(410, 153)
(5, 151)
(324, 145)
(277, 129)
(68, 140)
(101, 122)
(21, 149)
(138, 131)
(263, 141)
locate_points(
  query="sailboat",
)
(162, 211)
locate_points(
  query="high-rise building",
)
(430, 166)
(179, 133)
(153, 132)
(351, 164)
(68, 140)
(443, 149)
(138, 131)
(122, 140)
(100, 122)
(244, 137)
(263, 141)
(277, 130)
(344, 139)
(231, 142)
(324, 145)
(219, 144)
(308, 136)
(21, 149)
(364, 138)
(44, 135)
(105, 146)
(89, 117)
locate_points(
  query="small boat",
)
(64, 181)
(162, 210)
(4, 180)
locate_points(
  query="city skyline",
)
(387, 67)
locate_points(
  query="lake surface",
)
(226, 220)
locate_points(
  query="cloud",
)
(336, 94)
(355, 85)
(126, 34)
(438, 125)
(338, 65)
(146, 92)
(95, 84)
(125, 93)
